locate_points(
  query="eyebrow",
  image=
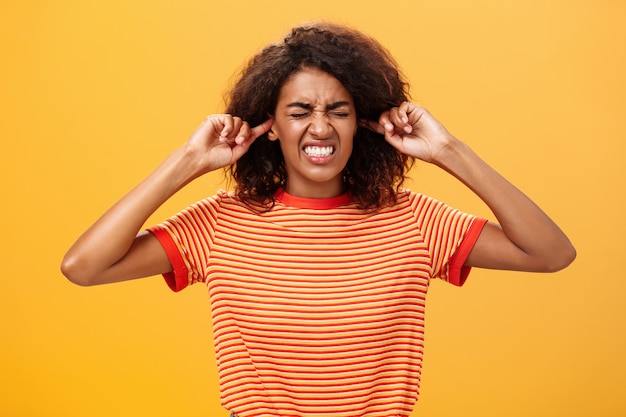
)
(307, 106)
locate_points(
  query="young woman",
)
(317, 263)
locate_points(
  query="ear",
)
(271, 134)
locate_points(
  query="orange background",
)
(95, 94)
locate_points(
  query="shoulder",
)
(220, 198)
(212, 205)
(225, 196)
(404, 201)
(407, 196)
(421, 204)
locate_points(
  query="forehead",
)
(313, 86)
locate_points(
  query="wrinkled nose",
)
(320, 126)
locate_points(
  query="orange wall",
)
(94, 94)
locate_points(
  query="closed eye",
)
(299, 115)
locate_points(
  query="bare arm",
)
(113, 248)
(525, 239)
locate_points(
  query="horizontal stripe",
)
(318, 311)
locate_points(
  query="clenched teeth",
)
(319, 150)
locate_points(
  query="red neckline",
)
(312, 203)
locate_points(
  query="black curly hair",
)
(365, 68)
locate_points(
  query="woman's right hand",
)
(221, 140)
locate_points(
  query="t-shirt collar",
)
(312, 203)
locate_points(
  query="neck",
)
(322, 190)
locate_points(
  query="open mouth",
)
(319, 151)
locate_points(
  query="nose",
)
(320, 125)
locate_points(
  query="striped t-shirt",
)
(317, 305)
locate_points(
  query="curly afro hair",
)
(365, 68)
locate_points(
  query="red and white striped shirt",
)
(318, 306)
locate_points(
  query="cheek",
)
(291, 130)
(349, 130)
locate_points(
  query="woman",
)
(318, 263)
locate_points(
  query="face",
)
(315, 122)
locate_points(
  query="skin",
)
(114, 249)
(314, 109)
(524, 238)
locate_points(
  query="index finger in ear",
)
(262, 128)
(372, 125)
(385, 122)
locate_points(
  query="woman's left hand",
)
(413, 131)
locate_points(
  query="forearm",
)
(112, 250)
(525, 239)
(111, 237)
(538, 244)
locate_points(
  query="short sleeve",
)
(187, 238)
(449, 235)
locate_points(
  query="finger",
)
(394, 116)
(404, 110)
(234, 132)
(248, 134)
(372, 125)
(393, 139)
(385, 122)
(237, 124)
(243, 133)
(228, 122)
(261, 129)
(400, 119)
(208, 126)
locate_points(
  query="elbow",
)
(72, 270)
(560, 258)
